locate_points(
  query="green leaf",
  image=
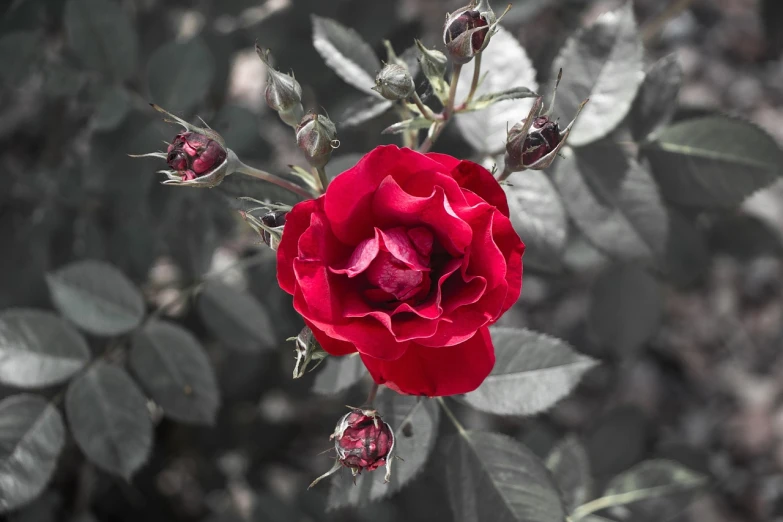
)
(180, 74)
(509, 67)
(172, 366)
(102, 36)
(648, 480)
(487, 100)
(625, 308)
(18, 51)
(338, 374)
(111, 109)
(614, 201)
(570, 468)
(532, 372)
(415, 424)
(539, 217)
(97, 297)
(235, 318)
(346, 53)
(31, 438)
(657, 98)
(38, 349)
(109, 419)
(713, 162)
(491, 477)
(603, 63)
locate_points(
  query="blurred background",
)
(703, 386)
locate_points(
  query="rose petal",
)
(330, 344)
(479, 180)
(362, 256)
(349, 198)
(449, 162)
(437, 372)
(296, 222)
(511, 245)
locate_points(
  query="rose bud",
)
(283, 93)
(534, 142)
(315, 136)
(394, 82)
(275, 221)
(433, 62)
(468, 30)
(192, 155)
(362, 442)
(307, 350)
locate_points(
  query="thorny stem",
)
(271, 178)
(447, 111)
(475, 82)
(453, 418)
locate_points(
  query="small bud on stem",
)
(394, 82)
(316, 136)
(283, 93)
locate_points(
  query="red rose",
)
(407, 259)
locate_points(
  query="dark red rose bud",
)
(543, 138)
(468, 30)
(363, 442)
(194, 155)
(275, 219)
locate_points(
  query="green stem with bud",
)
(505, 174)
(475, 82)
(448, 111)
(371, 396)
(425, 111)
(271, 178)
(322, 178)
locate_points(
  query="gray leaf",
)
(363, 110)
(508, 66)
(38, 349)
(180, 74)
(31, 438)
(102, 35)
(625, 308)
(604, 63)
(492, 477)
(570, 468)
(17, 51)
(97, 297)
(713, 162)
(109, 419)
(539, 218)
(235, 318)
(648, 480)
(112, 108)
(532, 372)
(657, 98)
(413, 444)
(346, 53)
(339, 373)
(614, 201)
(173, 367)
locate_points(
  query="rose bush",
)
(407, 258)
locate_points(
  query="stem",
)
(271, 178)
(505, 174)
(322, 178)
(425, 111)
(371, 396)
(460, 428)
(447, 111)
(409, 136)
(187, 292)
(452, 92)
(475, 82)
